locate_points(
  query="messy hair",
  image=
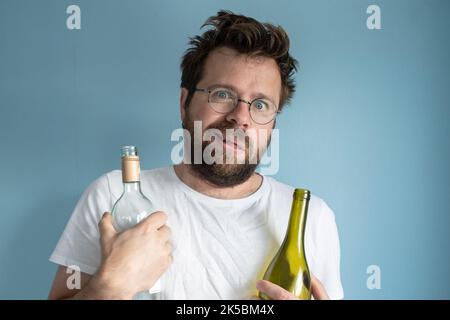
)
(245, 35)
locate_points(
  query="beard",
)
(223, 174)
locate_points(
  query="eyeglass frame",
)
(249, 103)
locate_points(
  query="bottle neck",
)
(297, 223)
(131, 187)
(130, 170)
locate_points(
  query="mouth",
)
(232, 144)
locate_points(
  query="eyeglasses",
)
(223, 100)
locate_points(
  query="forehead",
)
(248, 74)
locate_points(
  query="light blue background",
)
(368, 130)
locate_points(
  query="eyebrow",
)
(258, 95)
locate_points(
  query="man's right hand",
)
(133, 260)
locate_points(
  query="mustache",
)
(236, 134)
(222, 126)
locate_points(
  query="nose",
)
(240, 115)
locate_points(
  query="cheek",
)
(260, 137)
(263, 138)
(203, 113)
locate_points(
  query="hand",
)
(133, 260)
(278, 293)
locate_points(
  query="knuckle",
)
(159, 215)
(147, 228)
(163, 234)
(156, 218)
(284, 296)
(167, 233)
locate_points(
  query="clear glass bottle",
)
(133, 206)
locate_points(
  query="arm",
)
(126, 267)
(91, 287)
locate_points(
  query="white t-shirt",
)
(220, 247)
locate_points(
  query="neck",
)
(132, 186)
(296, 227)
(185, 173)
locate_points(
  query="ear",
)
(183, 97)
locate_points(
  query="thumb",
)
(106, 227)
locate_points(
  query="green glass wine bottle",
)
(289, 268)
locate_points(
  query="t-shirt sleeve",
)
(328, 253)
(79, 244)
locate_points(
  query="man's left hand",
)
(276, 292)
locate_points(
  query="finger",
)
(274, 291)
(164, 232)
(168, 246)
(318, 290)
(154, 221)
(106, 227)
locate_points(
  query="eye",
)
(261, 105)
(222, 94)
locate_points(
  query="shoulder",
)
(158, 174)
(99, 186)
(150, 179)
(278, 185)
(319, 213)
(284, 192)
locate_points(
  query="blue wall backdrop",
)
(368, 130)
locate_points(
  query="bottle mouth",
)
(129, 151)
(302, 193)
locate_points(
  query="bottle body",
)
(289, 268)
(132, 207)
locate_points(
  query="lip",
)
(233, 145)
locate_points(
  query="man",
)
(219, 222)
